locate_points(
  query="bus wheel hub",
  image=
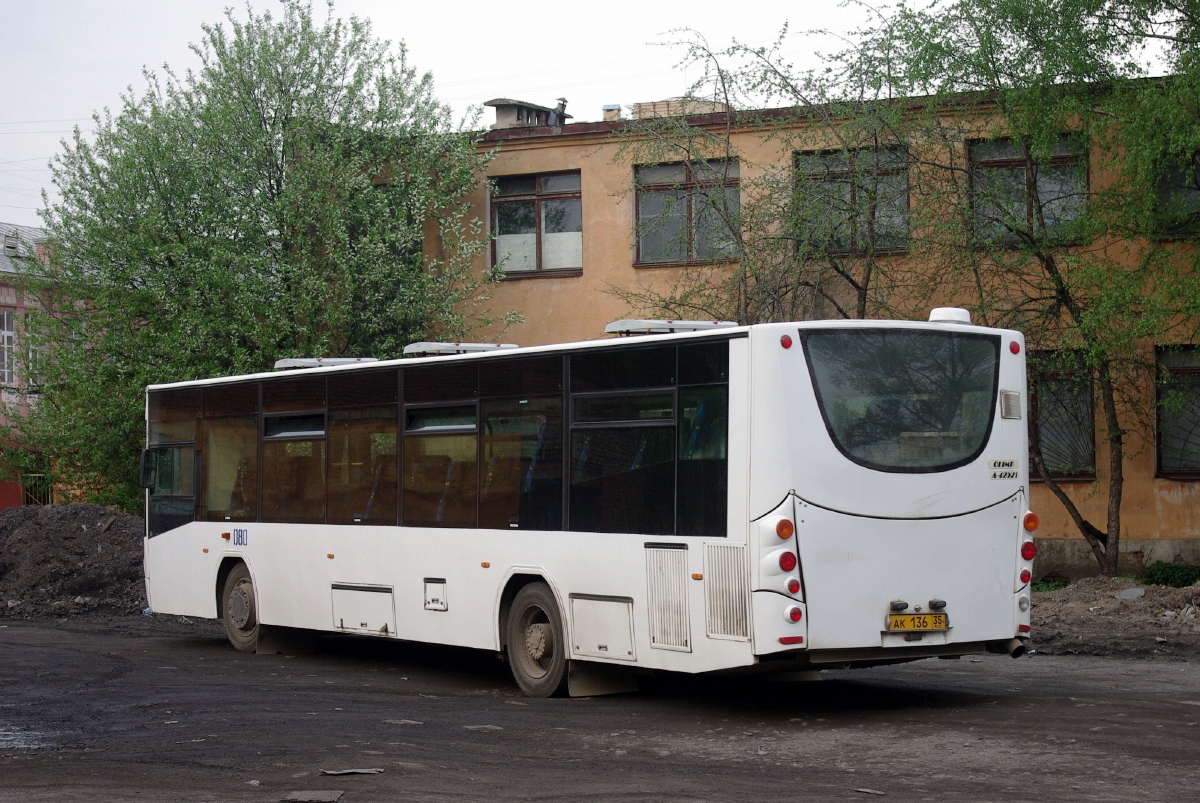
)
(239, 607)
(535, 641)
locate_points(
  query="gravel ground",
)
(1117, 616)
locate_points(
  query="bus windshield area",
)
(904, 400)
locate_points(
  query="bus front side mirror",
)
(149, 468)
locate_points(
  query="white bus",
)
(778, 497)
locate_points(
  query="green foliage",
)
(1043, 586)
(270, 204)
(1176, 575)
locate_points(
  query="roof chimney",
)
(612, 112)
(520, 114)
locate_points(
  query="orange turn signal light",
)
(1031, 522)
(486, 565)
(697, 576)
(330, 556)
(225, 536)
(785, 528)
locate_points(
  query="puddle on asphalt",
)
(12, 738)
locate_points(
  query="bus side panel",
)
(180, 574)
(295, 567)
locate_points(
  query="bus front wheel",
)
(239, 610)
(537, 651)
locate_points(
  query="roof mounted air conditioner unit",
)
(430, 349)
(646, 326)
(319, 362)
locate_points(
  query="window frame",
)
(1162, 373)
(1189, 229)
(8, 347)
(1062, 371)
(850, 174)
(1013, 240)
(688, 186)
(537, 197)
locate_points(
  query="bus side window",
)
(703, 466)
(522, 464)
(362, 466)
(440, 466)
(230, 490)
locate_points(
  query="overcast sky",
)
(64, 59)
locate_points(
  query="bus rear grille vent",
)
(667, 592)
(726, 596)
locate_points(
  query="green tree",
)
(271, 203)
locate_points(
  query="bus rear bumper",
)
(879, 656)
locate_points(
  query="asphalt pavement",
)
(164, 710)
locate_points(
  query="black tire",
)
(239, 609)
(537, 650)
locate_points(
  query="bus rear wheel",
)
(239, 610)
(537, 651)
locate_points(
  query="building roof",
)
(26, 237)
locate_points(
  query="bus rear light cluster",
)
(793, 585)
(792, 614)
(1028, 550)
(787, 561)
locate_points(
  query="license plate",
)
(917, 622)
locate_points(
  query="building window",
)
(1178, 441)
(1178, 194)
(853, 201)
(1061, 406)
(687, 212)
(538, 223)
(8, 348)
(1006, 195)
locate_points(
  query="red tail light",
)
(1022, 628)
(791, 639)
(793, 614)
(786, 341)
(787, 561)
(793, 585)
(1028, 551)
(1025, 575)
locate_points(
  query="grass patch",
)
(1047, 585)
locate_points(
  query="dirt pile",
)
(1116, 615)
(70, 560)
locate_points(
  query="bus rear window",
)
(905, 400)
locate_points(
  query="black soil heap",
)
(70, 560)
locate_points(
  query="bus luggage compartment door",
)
(366, 609)
(856, 567)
